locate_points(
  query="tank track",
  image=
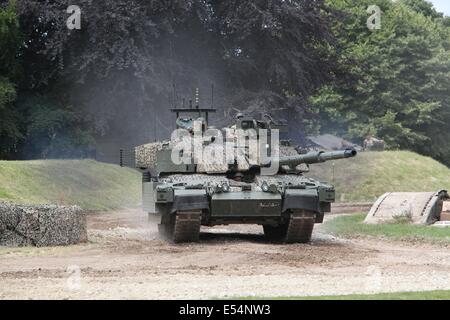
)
(184, 226)
(300, 227)
(297, 230)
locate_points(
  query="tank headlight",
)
(265, 187)
(219, 188)
(226, 187)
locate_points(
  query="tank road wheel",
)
(184, 226)
(301, 224)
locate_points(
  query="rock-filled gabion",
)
(43, 225)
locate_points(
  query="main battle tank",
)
(190, 194)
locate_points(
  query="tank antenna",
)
(174, 103)
(212, 96)
(197, 97)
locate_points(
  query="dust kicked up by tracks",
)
(126, 259)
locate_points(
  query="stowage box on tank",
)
(287, 204)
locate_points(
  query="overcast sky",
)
(442, 6)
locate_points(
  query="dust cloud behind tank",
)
(202, 192)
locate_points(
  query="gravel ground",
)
(125, 259)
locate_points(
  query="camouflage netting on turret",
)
(146, 154)
(44, 225)
(212, 160)
(288, 151)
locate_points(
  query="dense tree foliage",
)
(119, 71)
(398, 85)
(10, 133)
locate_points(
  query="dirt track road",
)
(125, 259)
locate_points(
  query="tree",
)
(54, 130)
(9, 72)
(424, 7)
(276, 52)
(398, 79)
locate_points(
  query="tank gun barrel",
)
(317, 157)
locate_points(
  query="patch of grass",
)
(4, 194)
(371, 174)
(427, 295)
(87, 183)
(354, 226)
